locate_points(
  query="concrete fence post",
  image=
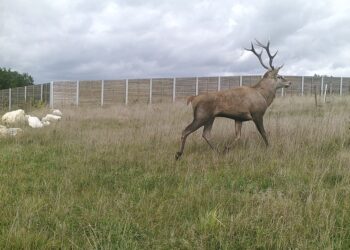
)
(174, 89)
(25, 94)
(341, 86)
(102, 92)
(77, 93)
(219, 83)
(197, 85)
(10, 102)
(322, 81)
(302, 86)
(51, 94)
(41, 92)
(150, 90)
(126, 91)
(240, 81)
(282, 93)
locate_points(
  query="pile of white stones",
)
(18, 117)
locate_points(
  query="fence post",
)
(51, 94)
(341, 86)
(174, 89)
(150, 90)
(282, 93)
(25, 94)
(126, 91)
(77, 94)
(41, 92)
(102, 91)
(240, 81)
(10, 98)
(322, 85)
(197, 85)
(302, 86)
(219, 83)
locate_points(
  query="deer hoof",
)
(178, 155)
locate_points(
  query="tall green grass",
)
(107, 179)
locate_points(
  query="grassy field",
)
(107, 179)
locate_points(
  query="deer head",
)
(272, 71)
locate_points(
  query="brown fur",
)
(240, 104)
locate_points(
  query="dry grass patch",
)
(106, 178)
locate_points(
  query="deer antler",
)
(267, 48)
(258, 55)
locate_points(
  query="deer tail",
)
(190, 99)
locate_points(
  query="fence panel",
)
(4, 99)
(65, 93)
(138, 91)
(185, 87)
(228, 82)
(346, 86)
(46, 93)
(333, 85)
(250, 80)
(114, 92)
(162, 90)
(207, 84)
(311, 84)
(30, 94)
(89, 93)
(18, 98)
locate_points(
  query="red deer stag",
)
(240, 104)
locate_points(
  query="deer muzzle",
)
(288, 84)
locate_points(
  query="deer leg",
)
(206, 132)
(238, 127)
(259, 123)
(186, 132)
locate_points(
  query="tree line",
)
(13, 79)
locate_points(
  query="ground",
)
(107, 179)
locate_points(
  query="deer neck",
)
(267, 90)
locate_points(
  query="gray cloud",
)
(131, 39)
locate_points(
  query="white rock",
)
(46, 123)
(14, 117)
(14, 131)
(51, 118)
(9, 131)
(57, 112)
(34, 122)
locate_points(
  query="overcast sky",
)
(105, 39)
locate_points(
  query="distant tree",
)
(13, 79)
